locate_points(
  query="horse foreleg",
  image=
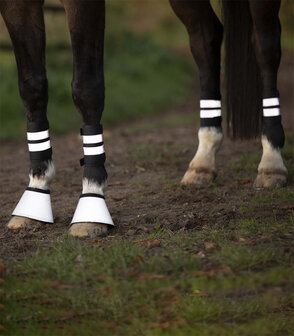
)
(205, 34)
(271, 170)
(25, 23)
(86, 21)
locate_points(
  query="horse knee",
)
(88, 96)
(34, 93)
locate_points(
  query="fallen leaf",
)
(150, 276)
(225, 270)
(2, 281)
(118, 199)
(138, 260)
(246, 241)
(2, 307)
(210, 246)
(116, 183)
(244, 181)
(107, 289)
(199, 255)
(131, 232)
(202, 221)
(48, 301)
(288, 207)
(111, 325)
(58, 285)
(199, 292)
(2, 269)
(128, 319)
(98, 242)
(101, 278)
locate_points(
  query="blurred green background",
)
(148, 66)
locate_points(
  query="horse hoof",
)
(91, 230)
(199, 176)
(274, 180)
(17, 222)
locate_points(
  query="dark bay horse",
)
(253, 52)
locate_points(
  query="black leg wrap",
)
(40, 149)
(211, 122)
(210, 110)
(272, 122)
(94, 154)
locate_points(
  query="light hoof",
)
(270, 180)
(199, 176)
(91, 230)
(17, 222)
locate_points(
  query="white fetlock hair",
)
(93, 187)
(43, 181)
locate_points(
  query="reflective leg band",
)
(39, 141)
(271, 107)
(210, 113)
(93, 145)
(35, 204)
(92, 209)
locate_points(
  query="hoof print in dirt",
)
(17, 222)
(91, 230)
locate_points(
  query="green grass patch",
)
(230, 281)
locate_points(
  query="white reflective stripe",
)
(94, 150)
(271, 112)
(210, 103)
(38, 147)
(32, 136)
(210, 113)
(270, 102)
(90, 139)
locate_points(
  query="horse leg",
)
(205, 34)
(25, 23)
(86, 21)
(266, 33)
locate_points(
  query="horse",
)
(253, 52)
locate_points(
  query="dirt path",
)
(145, 162)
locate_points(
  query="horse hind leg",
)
(29, 48)
(271, 170)
(86, 21)
(205, 34)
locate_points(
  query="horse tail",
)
(243, 83)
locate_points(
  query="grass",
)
(232, 281)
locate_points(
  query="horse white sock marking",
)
(271, 160)
(210, 139)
